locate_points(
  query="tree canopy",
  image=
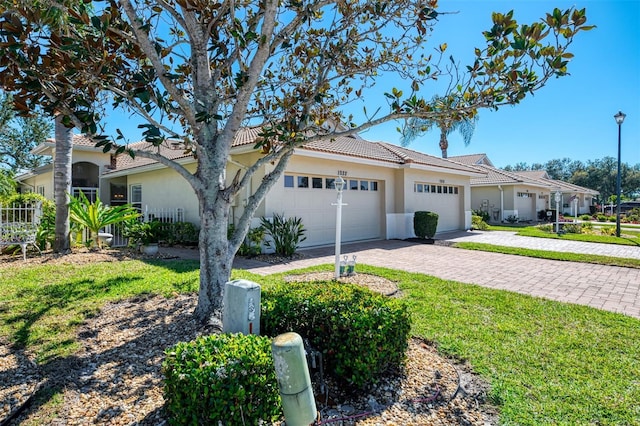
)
(202, 70)
(599, 174)
(19, 135)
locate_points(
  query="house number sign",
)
(342, 172)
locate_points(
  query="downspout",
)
(501, 203)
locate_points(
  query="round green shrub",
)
(360, 333)
(221, 379)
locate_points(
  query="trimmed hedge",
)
(360, 333)
(227, 378)
(425, 224)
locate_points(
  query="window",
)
(330, 183)
(136, 196)
(455, 190)
(439, 189)
(451, 190)
(364, 185)
(418, 187)
(353, 185)
(316, 182)
(40, 190)
(374, 186)
(303, 182)
(288, 181)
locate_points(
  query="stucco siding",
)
(166, 189)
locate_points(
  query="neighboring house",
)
(522, 194)
(386, 184)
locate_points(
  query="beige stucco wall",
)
(45, 180)
(165, 188)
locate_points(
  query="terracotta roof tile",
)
(472, 159)
(352, 146)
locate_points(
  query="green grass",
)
(629, 236)
(42, 306)
(552, 255)
(547, 362)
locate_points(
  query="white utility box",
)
(241, 311)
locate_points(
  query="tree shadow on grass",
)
(62, 296)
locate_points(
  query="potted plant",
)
(145, 235)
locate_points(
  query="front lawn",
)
(547, 362)
(628, 237)
(552, 255)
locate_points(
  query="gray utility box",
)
(241, 311)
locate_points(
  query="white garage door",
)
(313, 199)
(525, 204)
(446, 200)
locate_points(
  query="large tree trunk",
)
(215, 258)
(62, 185)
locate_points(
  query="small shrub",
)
(602, 218)
(360, 333)
(425, 224)
(512, 218)
(252, 244)
(179, 233)
(572, 228)
(546, 228)
(221, 379)
(286, 234)
(608, 230)
(587, 227)
(483, 214)
(478, 223)
(585, 217)
(611, 218)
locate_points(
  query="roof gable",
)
(473, 159)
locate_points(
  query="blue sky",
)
(570, 117)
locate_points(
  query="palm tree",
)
(62, 185)
(464, 124)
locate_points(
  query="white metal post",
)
(339, 185)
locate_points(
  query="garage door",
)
(525, 204)
(313, 199)
(446, 200)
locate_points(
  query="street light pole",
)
(558, 197)
(619, 119)
(339, 185)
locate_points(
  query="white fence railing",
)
(19, 225)
(164, 215)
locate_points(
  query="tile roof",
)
(472, 159)
(497, 176)
(535, 174)
(352, 146)
(536, 178)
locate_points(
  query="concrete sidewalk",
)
(611, 288)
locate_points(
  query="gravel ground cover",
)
(115, 378)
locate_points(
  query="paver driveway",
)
(611, 288)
